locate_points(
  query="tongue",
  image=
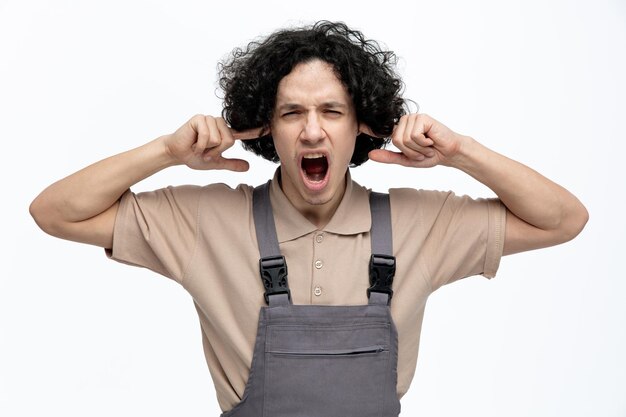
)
(315, 168)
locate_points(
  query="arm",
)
(540, 212)
(82, 207)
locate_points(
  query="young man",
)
(316, 99)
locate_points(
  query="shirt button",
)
(319, 238)
(317, 291)
(319, 264)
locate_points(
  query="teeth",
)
(313, 156)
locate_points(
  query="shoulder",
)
(225, 196)
(191, 192)
(428, 207)
(409, 200)
(403, 196)
(189, 197)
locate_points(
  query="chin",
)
(317, 200)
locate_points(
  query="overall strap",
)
(273, 267)
(272, 264)
(382, 262)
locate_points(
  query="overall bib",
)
(322, 361)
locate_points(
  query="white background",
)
(540, 81)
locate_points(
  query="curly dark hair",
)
(249, 78)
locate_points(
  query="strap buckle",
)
(274, 275)
(382, 271)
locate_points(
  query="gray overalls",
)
(322, 361)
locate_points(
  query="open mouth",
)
(314, 168)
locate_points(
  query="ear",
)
(363, 128)
(266, 131)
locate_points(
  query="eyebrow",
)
(326, 104)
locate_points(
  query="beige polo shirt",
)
(204, 238)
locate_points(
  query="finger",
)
(398, 136)
(398, 132)
(249, 134)
(399, 158)
(415, 140)
(420, 130)
(226, 138)
(389, 157)
(198, 123)
(410, 132)
(214, 134)
(238, 165)
(412, 154)
(411, 147)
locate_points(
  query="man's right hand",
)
(200, 142)
(83, 206)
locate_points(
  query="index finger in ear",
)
(249, 134)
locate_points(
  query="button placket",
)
(319, 267)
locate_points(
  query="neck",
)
(320, 214)
(318, 211)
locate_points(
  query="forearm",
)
(541, 213)
(526, 193)
(97, 187)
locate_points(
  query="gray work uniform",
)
(322, 361)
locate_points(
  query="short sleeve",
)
(449, 236)
(157, 229)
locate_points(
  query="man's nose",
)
(312, 130)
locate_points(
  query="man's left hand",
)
(423, 142)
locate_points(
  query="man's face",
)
(314, 128)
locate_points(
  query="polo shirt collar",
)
(351, 217)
